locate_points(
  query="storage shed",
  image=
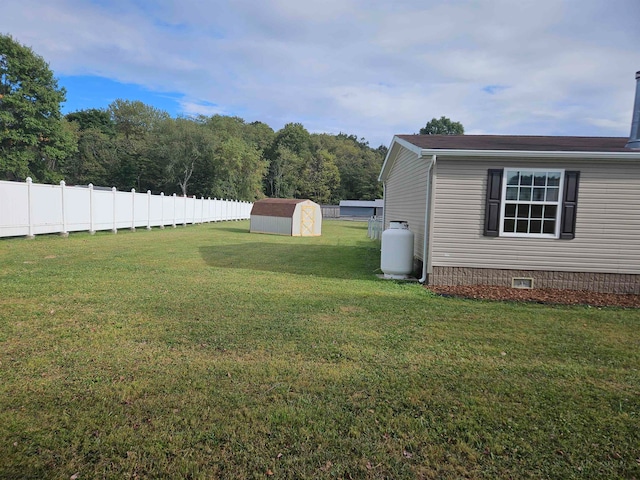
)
(286, 216)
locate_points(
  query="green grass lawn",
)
(209, 352)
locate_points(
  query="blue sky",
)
(364, 67)
(87, 91)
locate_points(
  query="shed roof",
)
(276, 207)
(518, 142)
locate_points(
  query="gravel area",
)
(539, 295)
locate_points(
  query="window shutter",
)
(492, 207)
(569, 203)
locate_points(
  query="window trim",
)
(558, 203)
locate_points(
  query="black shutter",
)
(569, 203)
(492, 207)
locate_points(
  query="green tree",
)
(358, 164)
(93, 118)
(319, 178)
(134, 123)
(96, 159)
(290, 150)
(259, 134)
(442, 126)
(179, 146)
(239, 170)
(34, 140)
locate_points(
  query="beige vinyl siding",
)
(607, 223)
(405, 195)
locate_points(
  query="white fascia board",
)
(428, 152)
(391, 152)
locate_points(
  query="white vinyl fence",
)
(374, 230)
(31, 208)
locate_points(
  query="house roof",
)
(276, 207)
(510, 146)
(518, 142)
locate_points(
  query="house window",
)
(532, 203)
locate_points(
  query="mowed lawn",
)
(209, 352)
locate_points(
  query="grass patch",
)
(209, 352)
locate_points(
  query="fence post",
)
(184, 219)
(92, 230)
(162, 210)
(148, 209)
(174, 210)
(202, 209)
(64, 232)
(115, 224)
(30, 234)
(133, 210)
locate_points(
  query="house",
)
(286, 216)
(532, 211)
(361, 208)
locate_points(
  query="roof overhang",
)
(429, 152)
(398, 144)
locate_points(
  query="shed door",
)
(308, 220)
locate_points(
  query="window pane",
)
(536, 211)
(522, 226)
(510, 210)
(523, 211)
(540, 179)
(550, 211)
(509, 226)
(552, 195)
(553, 179)
(549, 226)
(512, 177)
(526, 178)
(525, 194)
(538, 194)
(535, 226)
(512, 193)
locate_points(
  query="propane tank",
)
(396, 261)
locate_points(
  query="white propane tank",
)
(396, 261)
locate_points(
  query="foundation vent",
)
(522, 282)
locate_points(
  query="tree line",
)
(129, 144)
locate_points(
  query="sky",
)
(363, 67)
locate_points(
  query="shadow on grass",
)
(332, 261)
(231, 228)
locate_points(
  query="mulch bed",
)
(539, 295)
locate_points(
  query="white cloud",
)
(370, 68)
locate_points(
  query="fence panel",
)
(30, 208)
(14, 213)
(77, 205)
(46, 208)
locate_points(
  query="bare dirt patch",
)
(538, 295)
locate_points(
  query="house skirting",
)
(596, 282)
